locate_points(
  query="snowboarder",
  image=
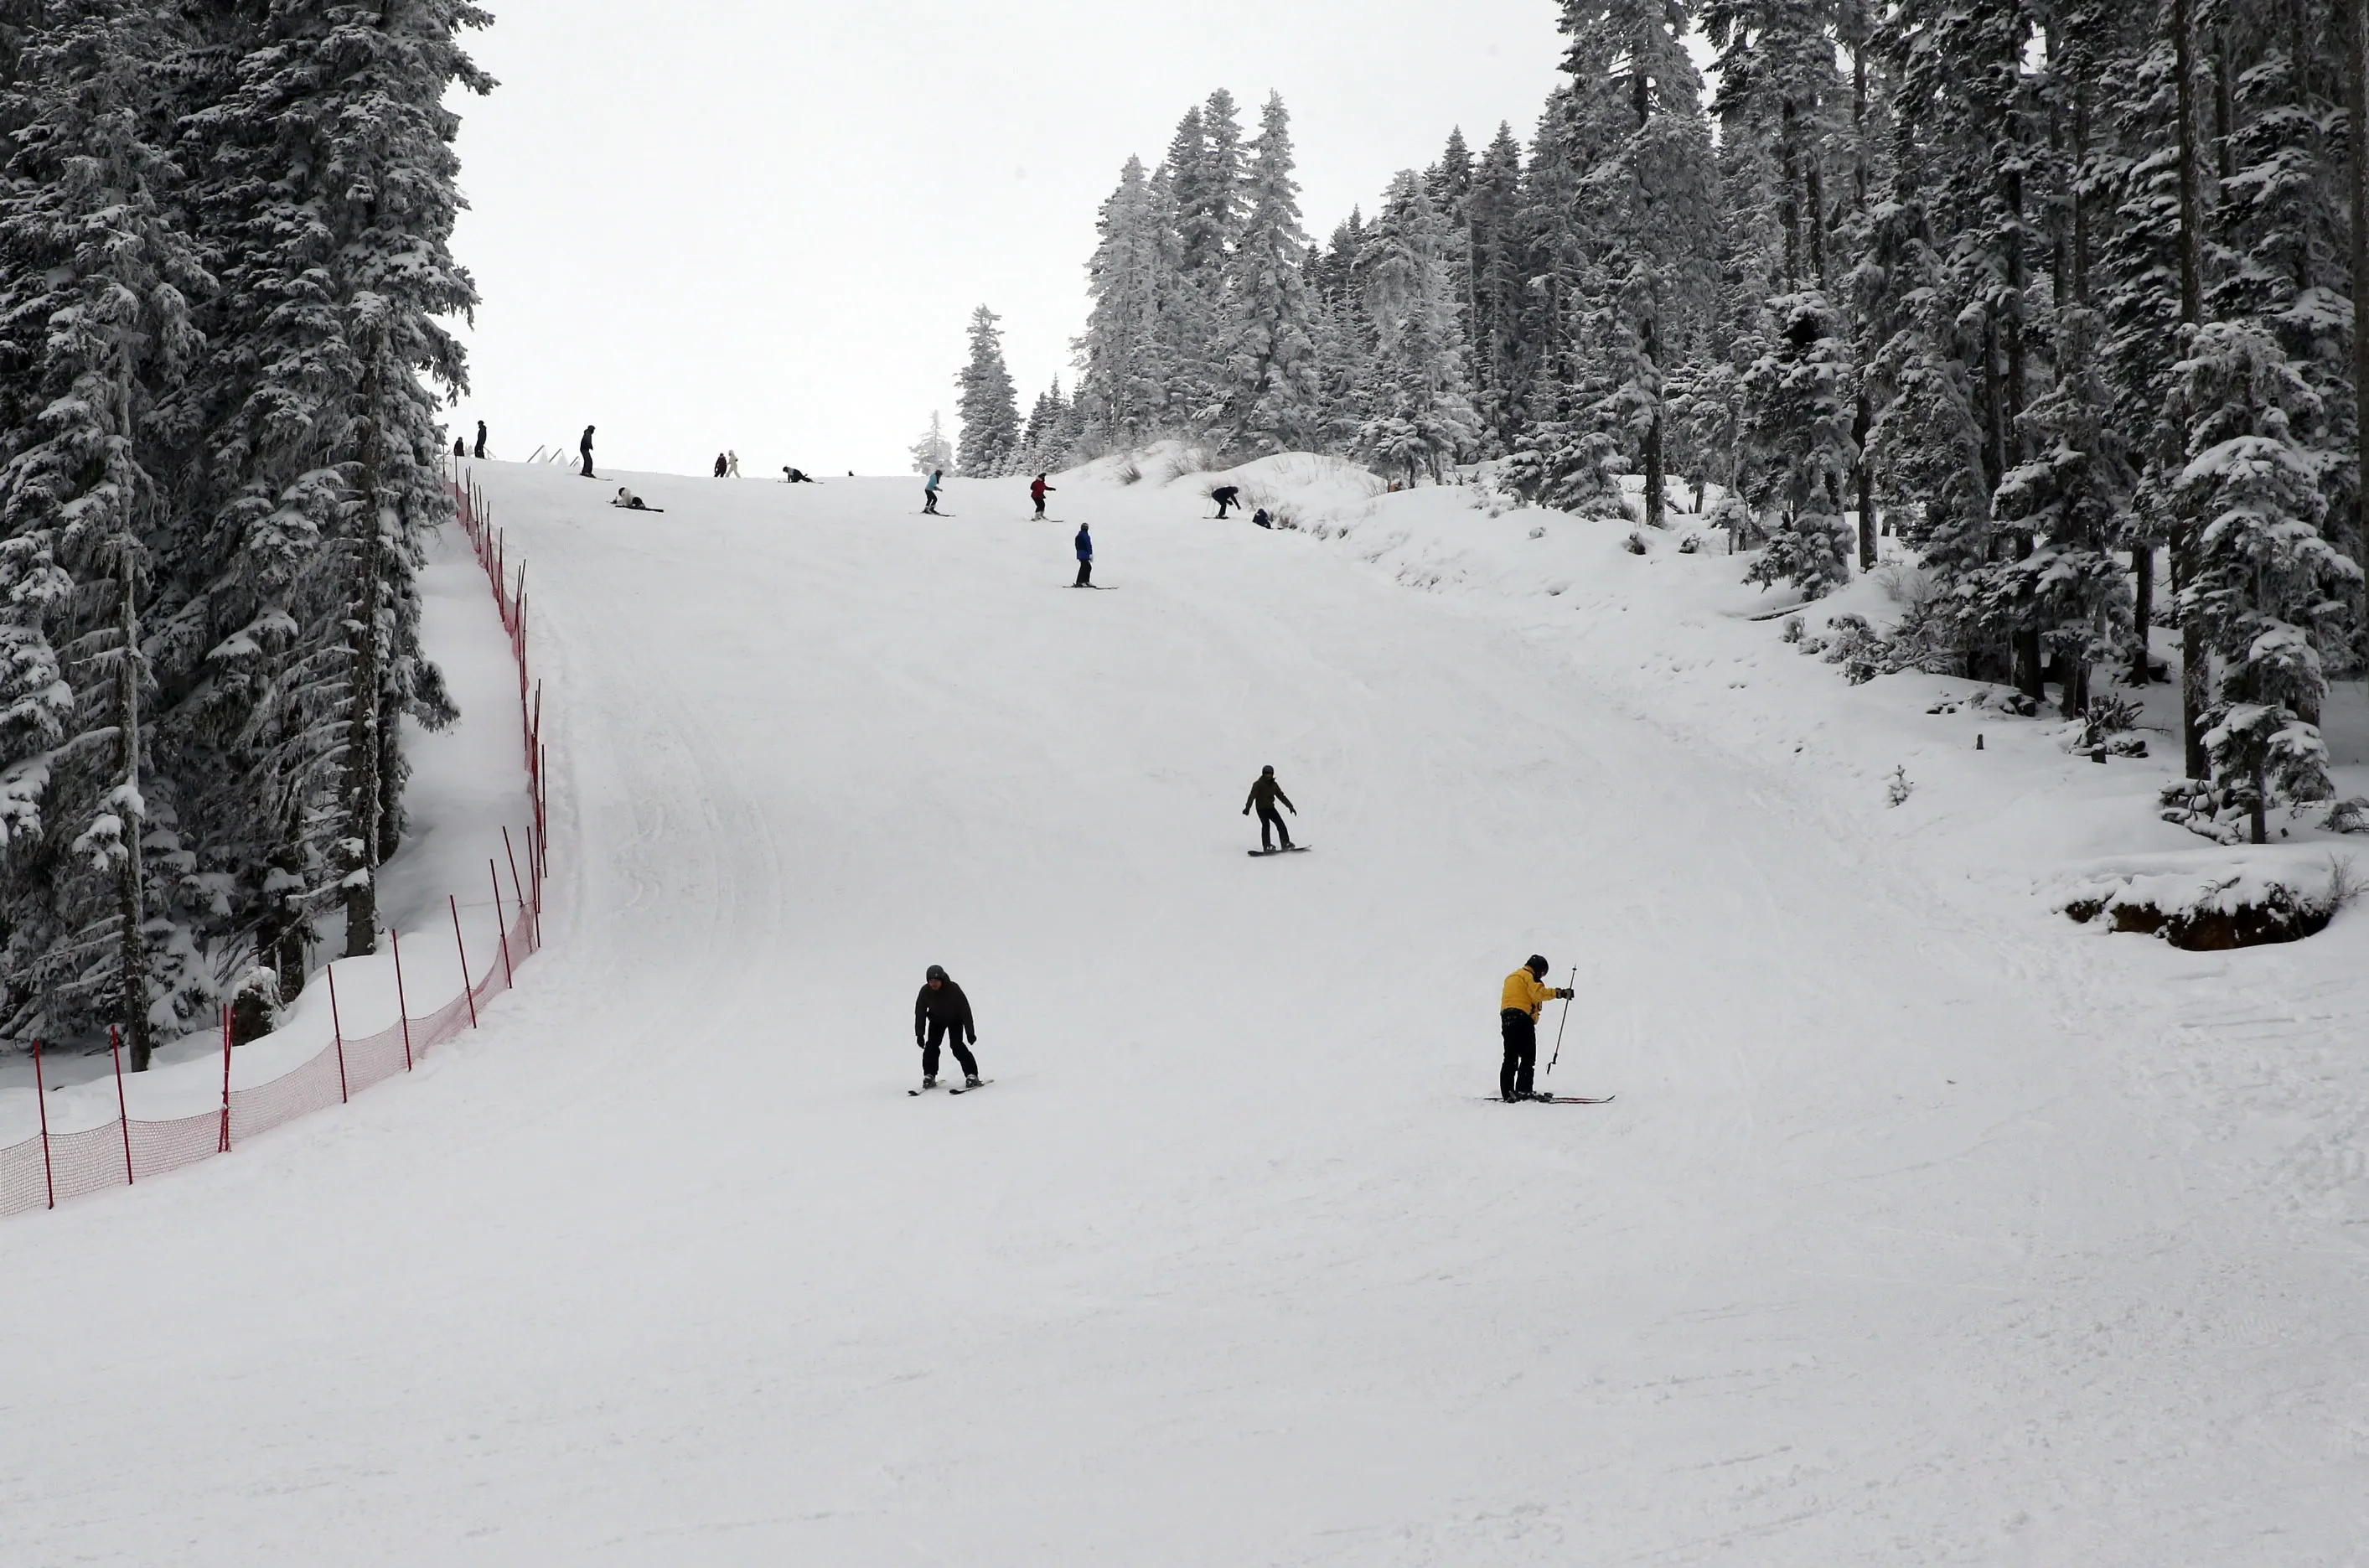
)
(1526, 991)
(585, 446)
(481, 438)
(1037, 491)
(1085, 543)
(930, 494)
(719, 465)
(797, 476)
(1260, 518)
(943, 1013)
(1226, 495)
(731, 464)
(1265, 793)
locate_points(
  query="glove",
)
(1246, 810)
(1565, 993)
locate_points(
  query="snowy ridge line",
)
(49, 1168)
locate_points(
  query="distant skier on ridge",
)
(1085, 543)
(1526, 991)
(942, 1013)
(585, 446)
(1265, 793)
(481, 438)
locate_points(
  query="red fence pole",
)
(402, 1008)
(466, 989)
(41, 1098)
(338, 1032)
(122, 1117)
(501, 923)
(225, 1130)
(518, 889)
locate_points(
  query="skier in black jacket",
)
(481, 438)
(1265, 793)
(585, 446)
(943, 1012)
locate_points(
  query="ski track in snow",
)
(1920, 1232)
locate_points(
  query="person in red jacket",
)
(1037, 491)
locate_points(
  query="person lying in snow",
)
(630, 502)
(797, 476)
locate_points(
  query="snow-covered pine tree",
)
(1416, 414)
(990, 408)
(1799, 402)
(1495, 284)
(933, 453)
(100, 282)
(1051, 430)
(1269, 353)
(330, 171)
(2261, 578)
(1127, 358)
(1657, 207)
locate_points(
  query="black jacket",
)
(1265, 793)
(946, 1006)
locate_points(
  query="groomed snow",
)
(1926, 1227)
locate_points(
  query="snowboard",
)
(966, 1088)
(1261, 855)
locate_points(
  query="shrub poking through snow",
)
(2243, 910)
(1634, 544)
(2349, 816)
(1900, 787)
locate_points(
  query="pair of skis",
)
(951, 1089)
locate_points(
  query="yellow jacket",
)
(1524, 993)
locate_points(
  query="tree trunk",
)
(362, 714)
(2195, 672)
(130, 880)
(2356, 99)
(1653, 453)
(2142, 612)
(1863, 471)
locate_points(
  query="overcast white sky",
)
(711, 223)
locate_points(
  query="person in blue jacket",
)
(1085, 558)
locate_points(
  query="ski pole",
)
(1563, 1022)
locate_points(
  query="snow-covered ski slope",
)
(1899, 1246)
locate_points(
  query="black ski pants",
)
(1085, 575)
(588, 463)
(1040, 506)
(1270, 817)
(1521, 1054)
(930, 502)
(962, 1052)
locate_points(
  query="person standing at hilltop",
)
(585, 446)
(481, 438)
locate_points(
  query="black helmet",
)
(1268, 769)
(938, 974)
(1537, 966)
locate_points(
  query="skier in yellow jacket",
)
(1526, 991)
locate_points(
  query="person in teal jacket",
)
(930, 494)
